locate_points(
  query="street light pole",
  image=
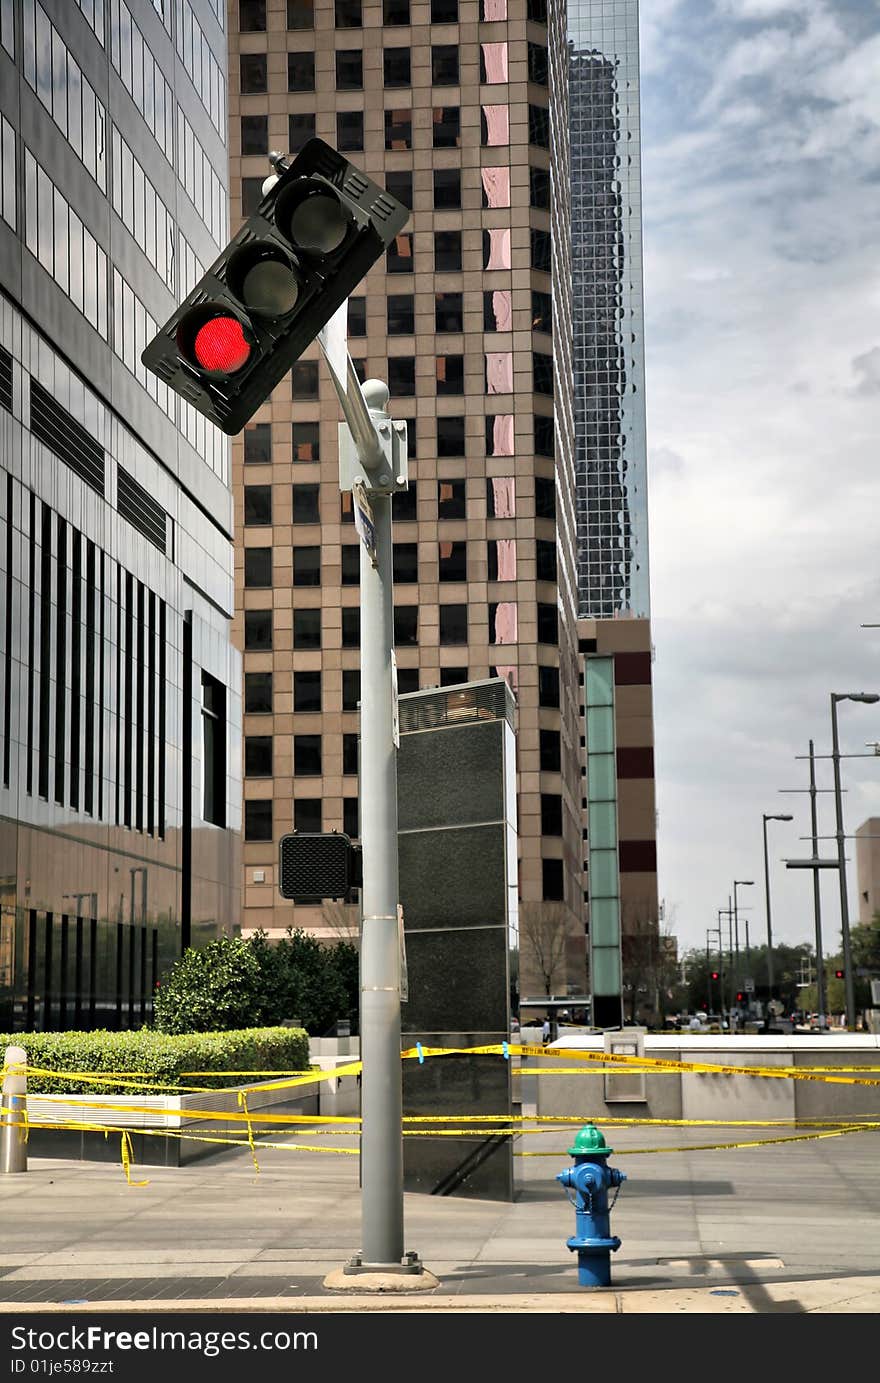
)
(867, 698)
(817, 901)
(738, 883)
(770, 816)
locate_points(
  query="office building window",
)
(300, 14)
(252, 73)
(307, 813)
(499, 436)
(304, 380)
(306, 628)
(350, 817)
(500, 497)
(447, 251)
(453, 676)
(251, 16)
(451, 499)
(401, 320)
(306, 442)
(251, 195)
(399, 255)
(551, 814)
(300, 71)
(404, 503)
(494, 126)
(536, 11)
(398, 129)
(548, 623)
(542, 311)
(446, 125)
(258, 818)
(550, 746)
(402, 375)
(348, 14)
(448, 312)
(350, 69)
(540, 245)
(300, 129)
(397, 67)
(258, 756)
(213, 750)
(545, 497)
(544, 433)
(497, 309)
(545, 560)
(452, 561)
(257, 629)
(450, 374)
(407, 680)
(501, 559)
(539, 71)
(539, 126)
(553, 884)
(307, 756)
(542, 373)
(450, 436)
(258, 444)
(548, 686)
(406, 627)
(395, 12)
(257, 504)
(306, 566)
(306, 504)
(444, 64)
(357, 316)
(447, 189)
(349, 130)
(453, 624)
(255, 134)
(257, 567)
(444, 11)
(351, 626)
(539, 187)
(346, 508)
(306, 691)
(405, 563)
(351, 564)
(351, 689)
(349, 754)
(399, 184)
(258, 693)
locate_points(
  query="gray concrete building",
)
(119, 687)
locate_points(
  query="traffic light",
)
(739, 998)
(314, 865)
(839, 974)
(715, 975)
(314, 236)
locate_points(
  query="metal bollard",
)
(13, 1147)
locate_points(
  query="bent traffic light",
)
(314, 236)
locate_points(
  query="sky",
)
(761, 192)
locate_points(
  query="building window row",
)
(65, 248)
(52, 72)
(201, 66)
(141, 210)
(142, 77)
(348, 14)
(445, 129)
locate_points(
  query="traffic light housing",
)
(312, 239)
(314, 865)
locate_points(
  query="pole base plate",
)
(409, 1275)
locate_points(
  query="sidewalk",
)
(791, 1228)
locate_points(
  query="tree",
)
(213, 988)
(543, 931)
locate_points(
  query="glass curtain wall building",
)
(611, 481)
(119, 686)
(459, 108)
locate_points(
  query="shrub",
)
(162, 1056)
(211, 989)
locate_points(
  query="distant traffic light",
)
(314, 236)
(739, 998)
(839, 974)
(714, 974)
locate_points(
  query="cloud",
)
(867, 367)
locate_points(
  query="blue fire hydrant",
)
(591, 1178)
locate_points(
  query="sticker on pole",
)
(363, 519)
(395, 704)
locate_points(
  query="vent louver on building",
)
(141, 510)
(426, 710)
(5, 380)
(62, 434)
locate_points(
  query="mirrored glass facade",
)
(607, 300)
(120, 715)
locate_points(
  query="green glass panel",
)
(600, 729)
(603, 825)
(605, 969)
(603, 874)
(604, 921)
(601, 778)
(600, 681)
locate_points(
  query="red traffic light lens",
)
(220, 345)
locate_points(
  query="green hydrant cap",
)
(589, 1141)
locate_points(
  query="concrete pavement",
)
(787, 1228)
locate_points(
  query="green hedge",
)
(160, 1055)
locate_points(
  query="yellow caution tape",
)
(127, 1160)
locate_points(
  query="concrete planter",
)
(177, 1113)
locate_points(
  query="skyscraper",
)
(614, 631)
(458, 108)
(119, 687)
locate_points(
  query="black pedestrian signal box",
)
(314, 236)
(315, 865)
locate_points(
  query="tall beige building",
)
(458, 107)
